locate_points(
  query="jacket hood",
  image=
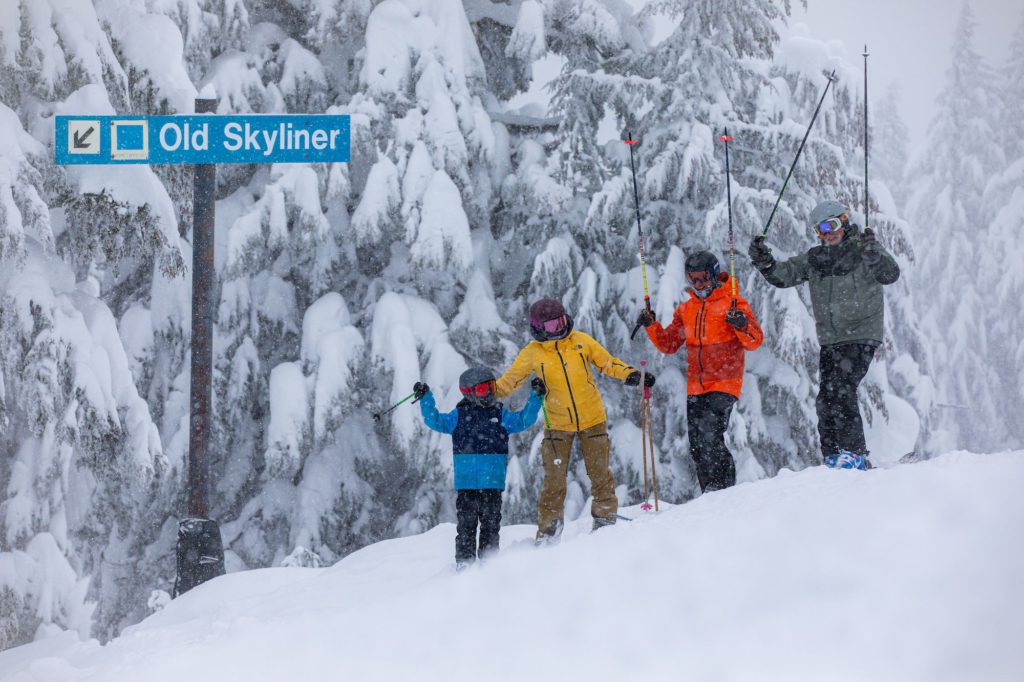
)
(721, 290)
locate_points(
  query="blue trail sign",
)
(201, 139)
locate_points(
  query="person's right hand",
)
(420, 389)
(538, 387)
(646, 318)
(760, 253)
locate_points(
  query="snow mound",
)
(909, 573)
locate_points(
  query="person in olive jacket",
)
(845, 274)
(565, 360)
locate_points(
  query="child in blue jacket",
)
(479, 426)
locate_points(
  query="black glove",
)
(538, 387)
(420, 389)
(760, 254)
(646, 318)
(736, 318)
(871, 250)
(634, 379)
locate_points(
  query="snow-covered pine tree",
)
(81, 457)
(946, 208)
(890, 147)
(1003, 199)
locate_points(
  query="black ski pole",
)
(866, 207)
(378, 415)
(831, 78)
(728, 197)
(640, 230)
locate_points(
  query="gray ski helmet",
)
(827, 209)
(475, 375)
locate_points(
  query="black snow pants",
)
(475, 507)
(842, 368)
(707, 418)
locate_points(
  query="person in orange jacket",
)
(565, 360)
(717, 328)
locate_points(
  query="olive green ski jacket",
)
(846, 292)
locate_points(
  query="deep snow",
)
(907, 573)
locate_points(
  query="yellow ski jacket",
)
(573, 402)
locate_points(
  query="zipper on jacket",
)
(700, 342)
(568, 385)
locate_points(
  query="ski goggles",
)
(828, 226)
(480, 390)
(551, 326)
(699, 280)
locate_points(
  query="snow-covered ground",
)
(909, 573)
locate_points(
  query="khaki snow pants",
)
(556, 451)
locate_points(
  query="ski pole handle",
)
(378, 415)
(647, 304)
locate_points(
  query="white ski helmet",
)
(827, 209)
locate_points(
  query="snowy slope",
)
(909, 573)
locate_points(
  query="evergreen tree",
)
(946, 207)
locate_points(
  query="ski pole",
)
(647, 440)
(640, 230)
(650, 443)
(866, 206)
(378, 415)
(831, 78)
(728, 194)
(643, 431)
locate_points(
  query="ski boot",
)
(844, 459)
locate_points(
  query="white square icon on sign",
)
(129, 140)
(83, 137)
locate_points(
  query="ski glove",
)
(420, 389)
(760, 254)
(646, 318)
(870, 249)
(634, 379)
(736, 318)
(538, 387)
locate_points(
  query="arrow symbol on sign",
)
(80, 141)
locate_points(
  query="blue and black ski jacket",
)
(479, 438)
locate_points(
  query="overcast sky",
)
(909, 42)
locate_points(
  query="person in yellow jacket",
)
(564, 359)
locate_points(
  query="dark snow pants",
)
(842, 367)
(707, 418)
(477, 507)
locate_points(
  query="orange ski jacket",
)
(714, 348)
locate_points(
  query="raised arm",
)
(750, 335)
(879, 262)
(514, 422)
(671, 338)
(443, 423)
(515, 375)
(787, 273)
(604, 361)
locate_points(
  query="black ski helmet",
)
(474, 376)
(704, 261)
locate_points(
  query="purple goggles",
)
(551, 326)
(829, 225)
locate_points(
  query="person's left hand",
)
(634, 379)
(736, 318)
(871, 250)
